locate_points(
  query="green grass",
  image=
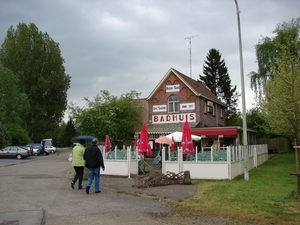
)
(268, 197)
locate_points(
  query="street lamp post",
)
(245, 141)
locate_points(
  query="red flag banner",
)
(144, 147)
(107, 144)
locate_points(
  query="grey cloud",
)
(121, 46)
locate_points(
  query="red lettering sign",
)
(192, 117)
(173, 118)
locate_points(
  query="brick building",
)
(178, 98)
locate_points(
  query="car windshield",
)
(47, 143)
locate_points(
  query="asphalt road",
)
(37, 191)
(13, 161)
(39, 187)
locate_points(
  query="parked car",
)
(37, 148)
(50, 149)
(29, 148)
(14, 152)
(48, 145)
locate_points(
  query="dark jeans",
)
(78, 175)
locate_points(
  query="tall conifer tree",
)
(216, 78)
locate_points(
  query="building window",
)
(210, 107)
(173, 104)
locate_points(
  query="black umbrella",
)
(84, 137)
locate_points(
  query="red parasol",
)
(187, 142)
(107, 144)
(144, 145)
(173, 145)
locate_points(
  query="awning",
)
(215, 132)
(166, 128)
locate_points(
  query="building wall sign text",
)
(173, 118)
(187, 106)
(159, 108)
(172, 88)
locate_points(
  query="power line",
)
(190, 38)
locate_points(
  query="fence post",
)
(241, 157)
(163, 160)
(128, 160)
(180, 159)
(229, 149)
(255, 156)
(137, 160)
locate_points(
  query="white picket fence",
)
(216, 164)
(209, 163)
(121, 162)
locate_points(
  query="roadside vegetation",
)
(269, 197)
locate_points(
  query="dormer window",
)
(210, 107)
(173, 103)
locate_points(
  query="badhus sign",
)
(190, 117)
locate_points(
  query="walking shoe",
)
(87, 189)
(97, 192)
(80, 188)
(72, 185)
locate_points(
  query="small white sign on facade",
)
(187, 106)
(159, 108)
(173, 88)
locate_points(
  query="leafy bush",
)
(19, 135)
(5, 138)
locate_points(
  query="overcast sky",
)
(124, 45)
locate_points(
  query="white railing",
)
(209, 163)
(216, 163)
(122, 162)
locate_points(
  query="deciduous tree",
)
(14, 105)
(268, 49)
(118, 117)
(282, 93)
(37, 62)
(256, 121)
(5, 138)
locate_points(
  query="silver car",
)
(14, 152)
(50, 149)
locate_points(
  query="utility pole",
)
(190, 38)
(245, 141)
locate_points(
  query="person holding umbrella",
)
(78, 163)
(93, 161)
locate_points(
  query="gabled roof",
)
(197, 87)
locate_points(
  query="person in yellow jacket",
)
(78, 163)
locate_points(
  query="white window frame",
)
(210, 107)
(174, 103)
